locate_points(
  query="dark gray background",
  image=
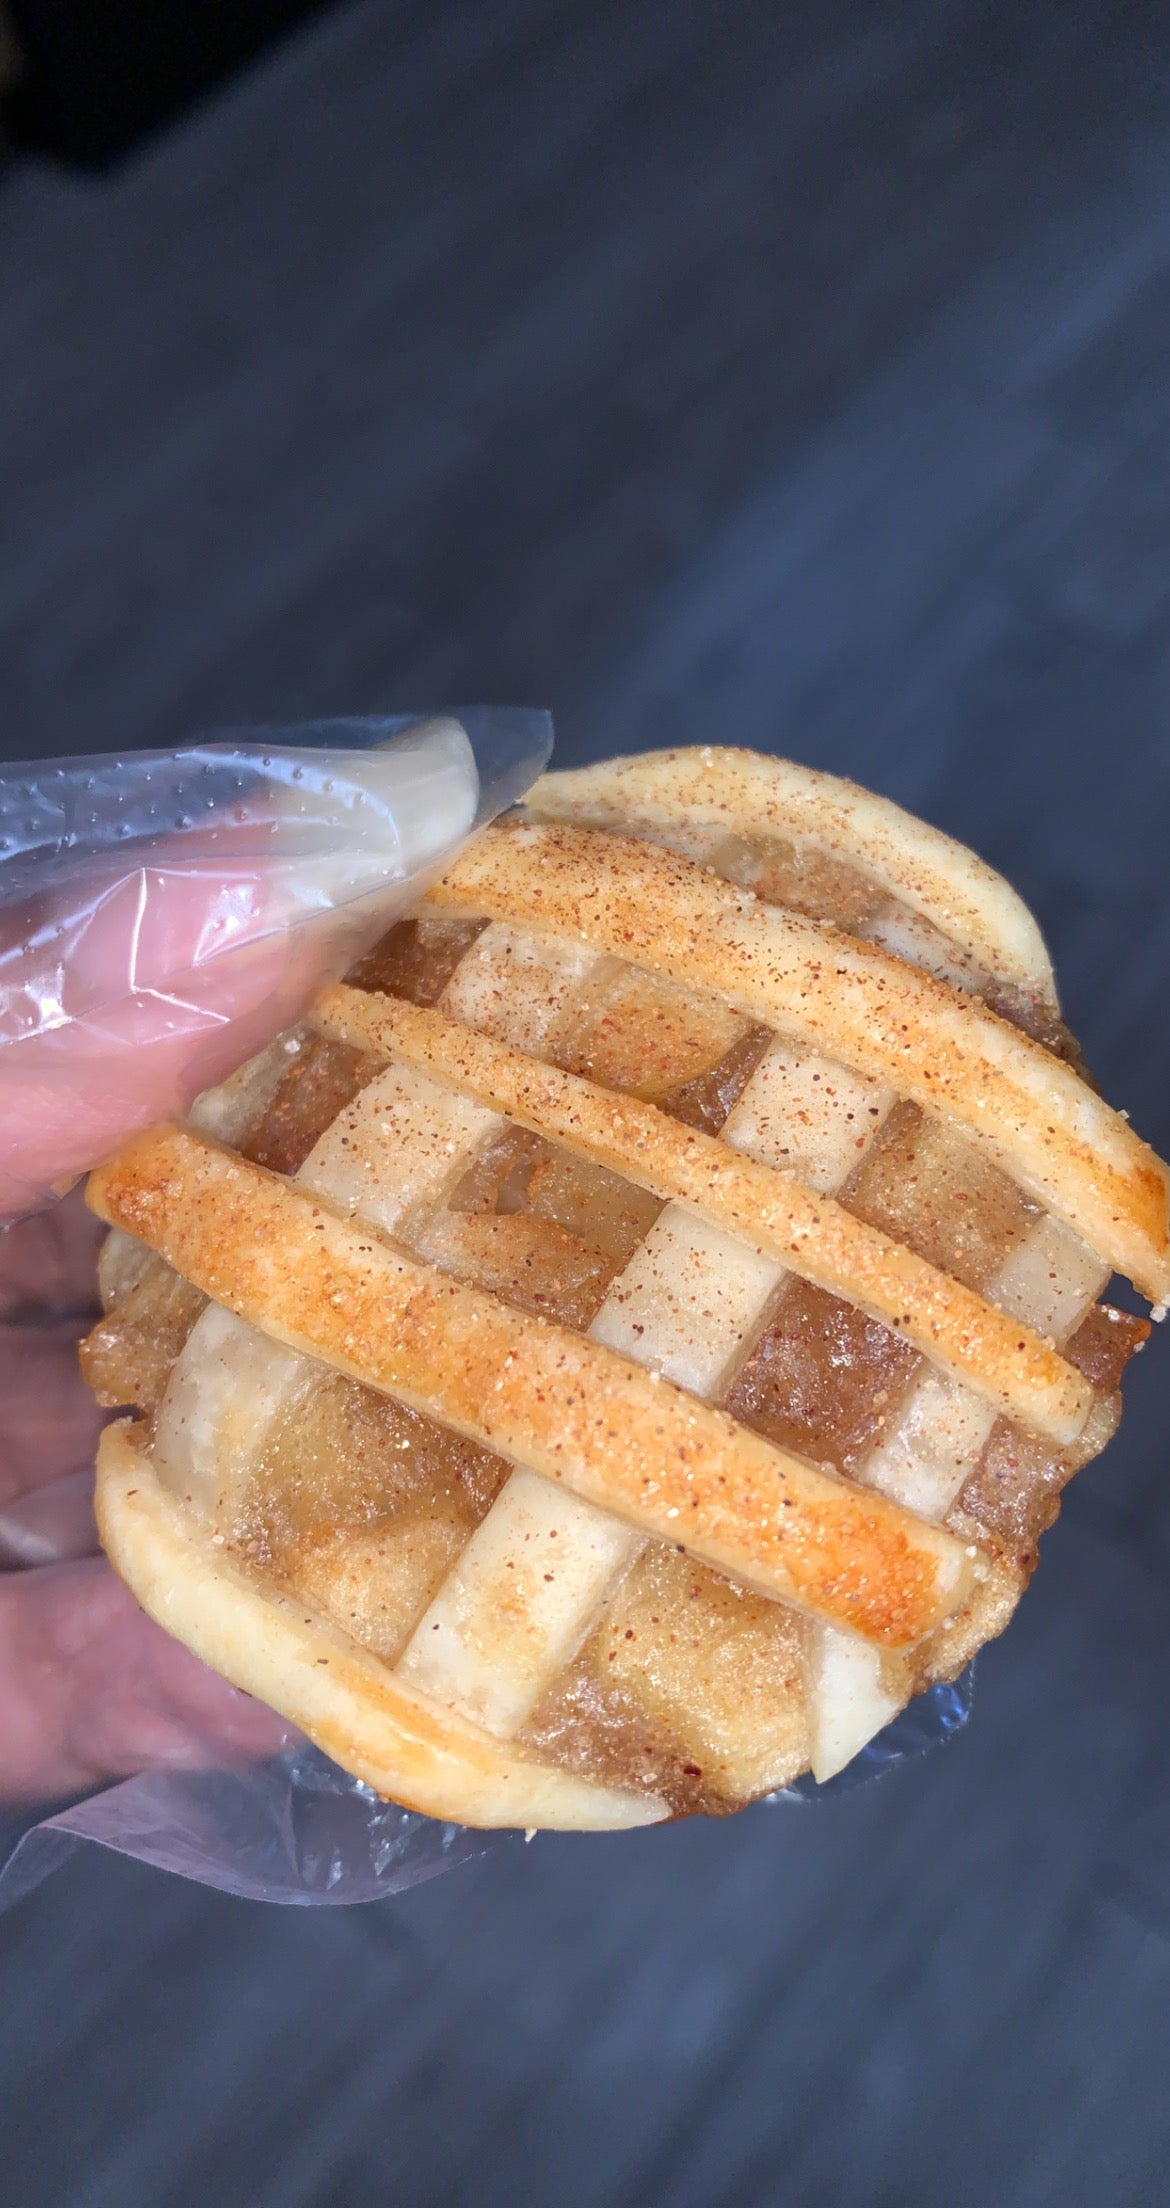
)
(795, 376)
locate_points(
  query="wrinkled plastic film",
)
(928, 1722)
(61, 813)
(297, 1829)
(193, 901)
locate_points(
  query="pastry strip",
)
(811, 1234)
(945, 1051)
(746, 794)
(559, 1404)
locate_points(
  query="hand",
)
(173, 972)
(90, 1688)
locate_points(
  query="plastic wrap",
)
(293, 1829)
(195, 900)
(297, 1829)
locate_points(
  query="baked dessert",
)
(632, 1337)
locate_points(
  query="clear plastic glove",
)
(161, 918)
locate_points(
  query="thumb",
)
(138, 976)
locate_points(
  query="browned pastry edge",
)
(744, 792)
(398, 1741)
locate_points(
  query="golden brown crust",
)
(351, 1705)
(548, 1399)
(811, 1234)
(745, 793)
(984, 1616)
(860, 1005)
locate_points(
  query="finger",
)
(70, 1095)
(49, 1524)
(125, 994)
(92, 1690)
(48, 1264)
(51, 1422)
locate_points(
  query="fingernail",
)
(50, 1524)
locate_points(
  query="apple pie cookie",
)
(632, 1337)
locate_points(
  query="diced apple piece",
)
(931, 1188)
(519, 1172)
(822, 1379)
(374, 1582)
(642, 1034)
(718, 1668)
(316, 1084)
(607, 1212)
(416, 959)
(359, 1505)
(525, 1259)
(128, 1356)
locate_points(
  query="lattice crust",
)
(824, 847)
(648, 1331)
